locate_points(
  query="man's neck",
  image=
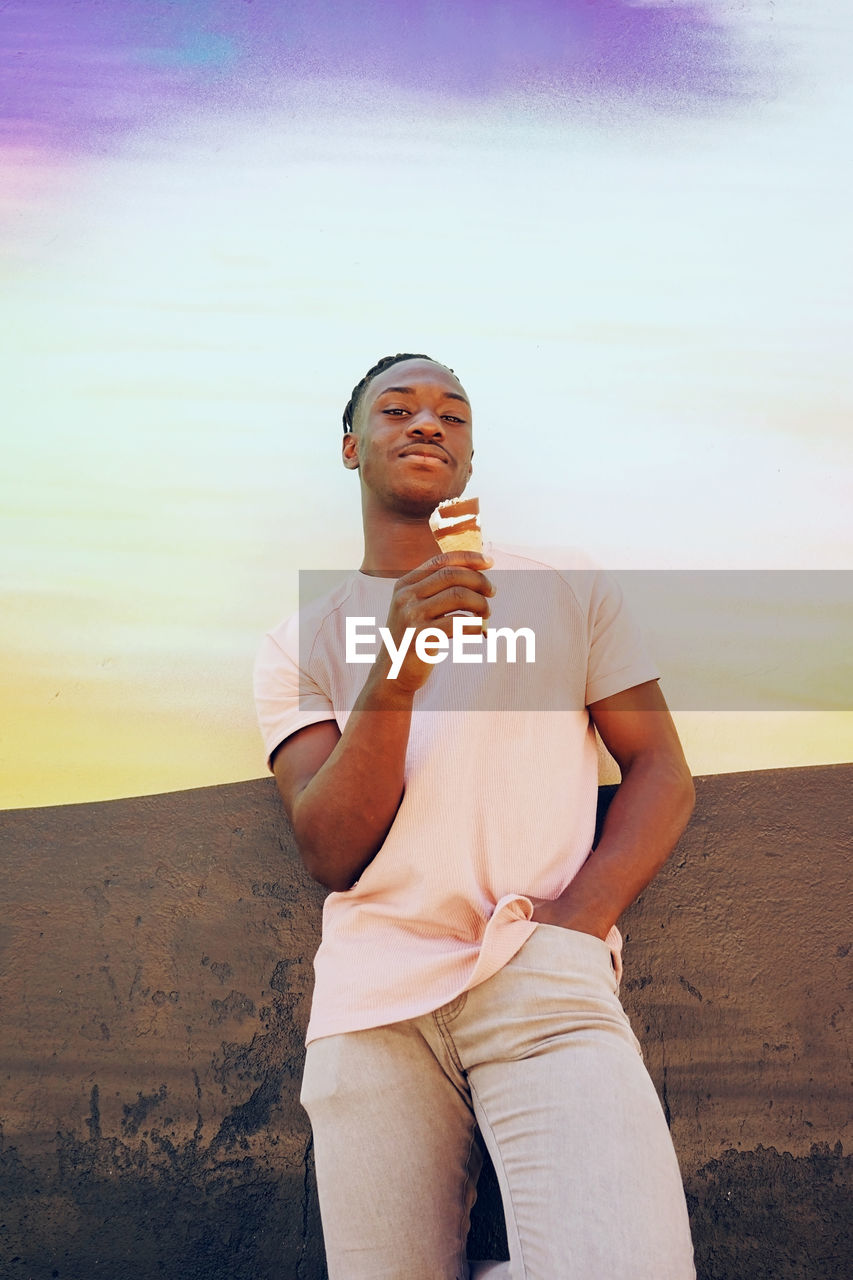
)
(394, 544)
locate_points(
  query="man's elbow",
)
(669, 772)
(328, 878)
(323, 870)
(327, 863)
(332, 853)
(683, 789)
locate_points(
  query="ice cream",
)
(455, 525)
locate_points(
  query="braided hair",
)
(380, 367)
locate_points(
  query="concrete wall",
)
(156, 974)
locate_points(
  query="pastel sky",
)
(625, 225)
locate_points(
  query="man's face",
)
(411, 437)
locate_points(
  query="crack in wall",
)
(306, 1194)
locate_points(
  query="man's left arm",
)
(648, 813)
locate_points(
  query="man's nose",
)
(426, 423)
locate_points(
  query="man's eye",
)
(395, 411)
(449, 417)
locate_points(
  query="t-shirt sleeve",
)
(286, 697)
(618, 658)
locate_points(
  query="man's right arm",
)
(342, 790)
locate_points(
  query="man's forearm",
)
(647, 815)
(341, 818)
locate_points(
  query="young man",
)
(466, 983)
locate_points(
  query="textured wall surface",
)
(155, 976)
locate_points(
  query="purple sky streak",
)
(77, 74)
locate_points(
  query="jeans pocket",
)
(573, 933)
(586, 944)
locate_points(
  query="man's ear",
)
(349, 451)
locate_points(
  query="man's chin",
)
(416, 508)
(421, 506)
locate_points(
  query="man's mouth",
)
(424, 451)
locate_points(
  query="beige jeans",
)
(542, 1061)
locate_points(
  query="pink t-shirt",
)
(501, 781)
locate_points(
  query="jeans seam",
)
(464, 1240)
(450, 1011)
(446, 1038)
(498, 1160)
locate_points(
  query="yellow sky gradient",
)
(101, 739)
